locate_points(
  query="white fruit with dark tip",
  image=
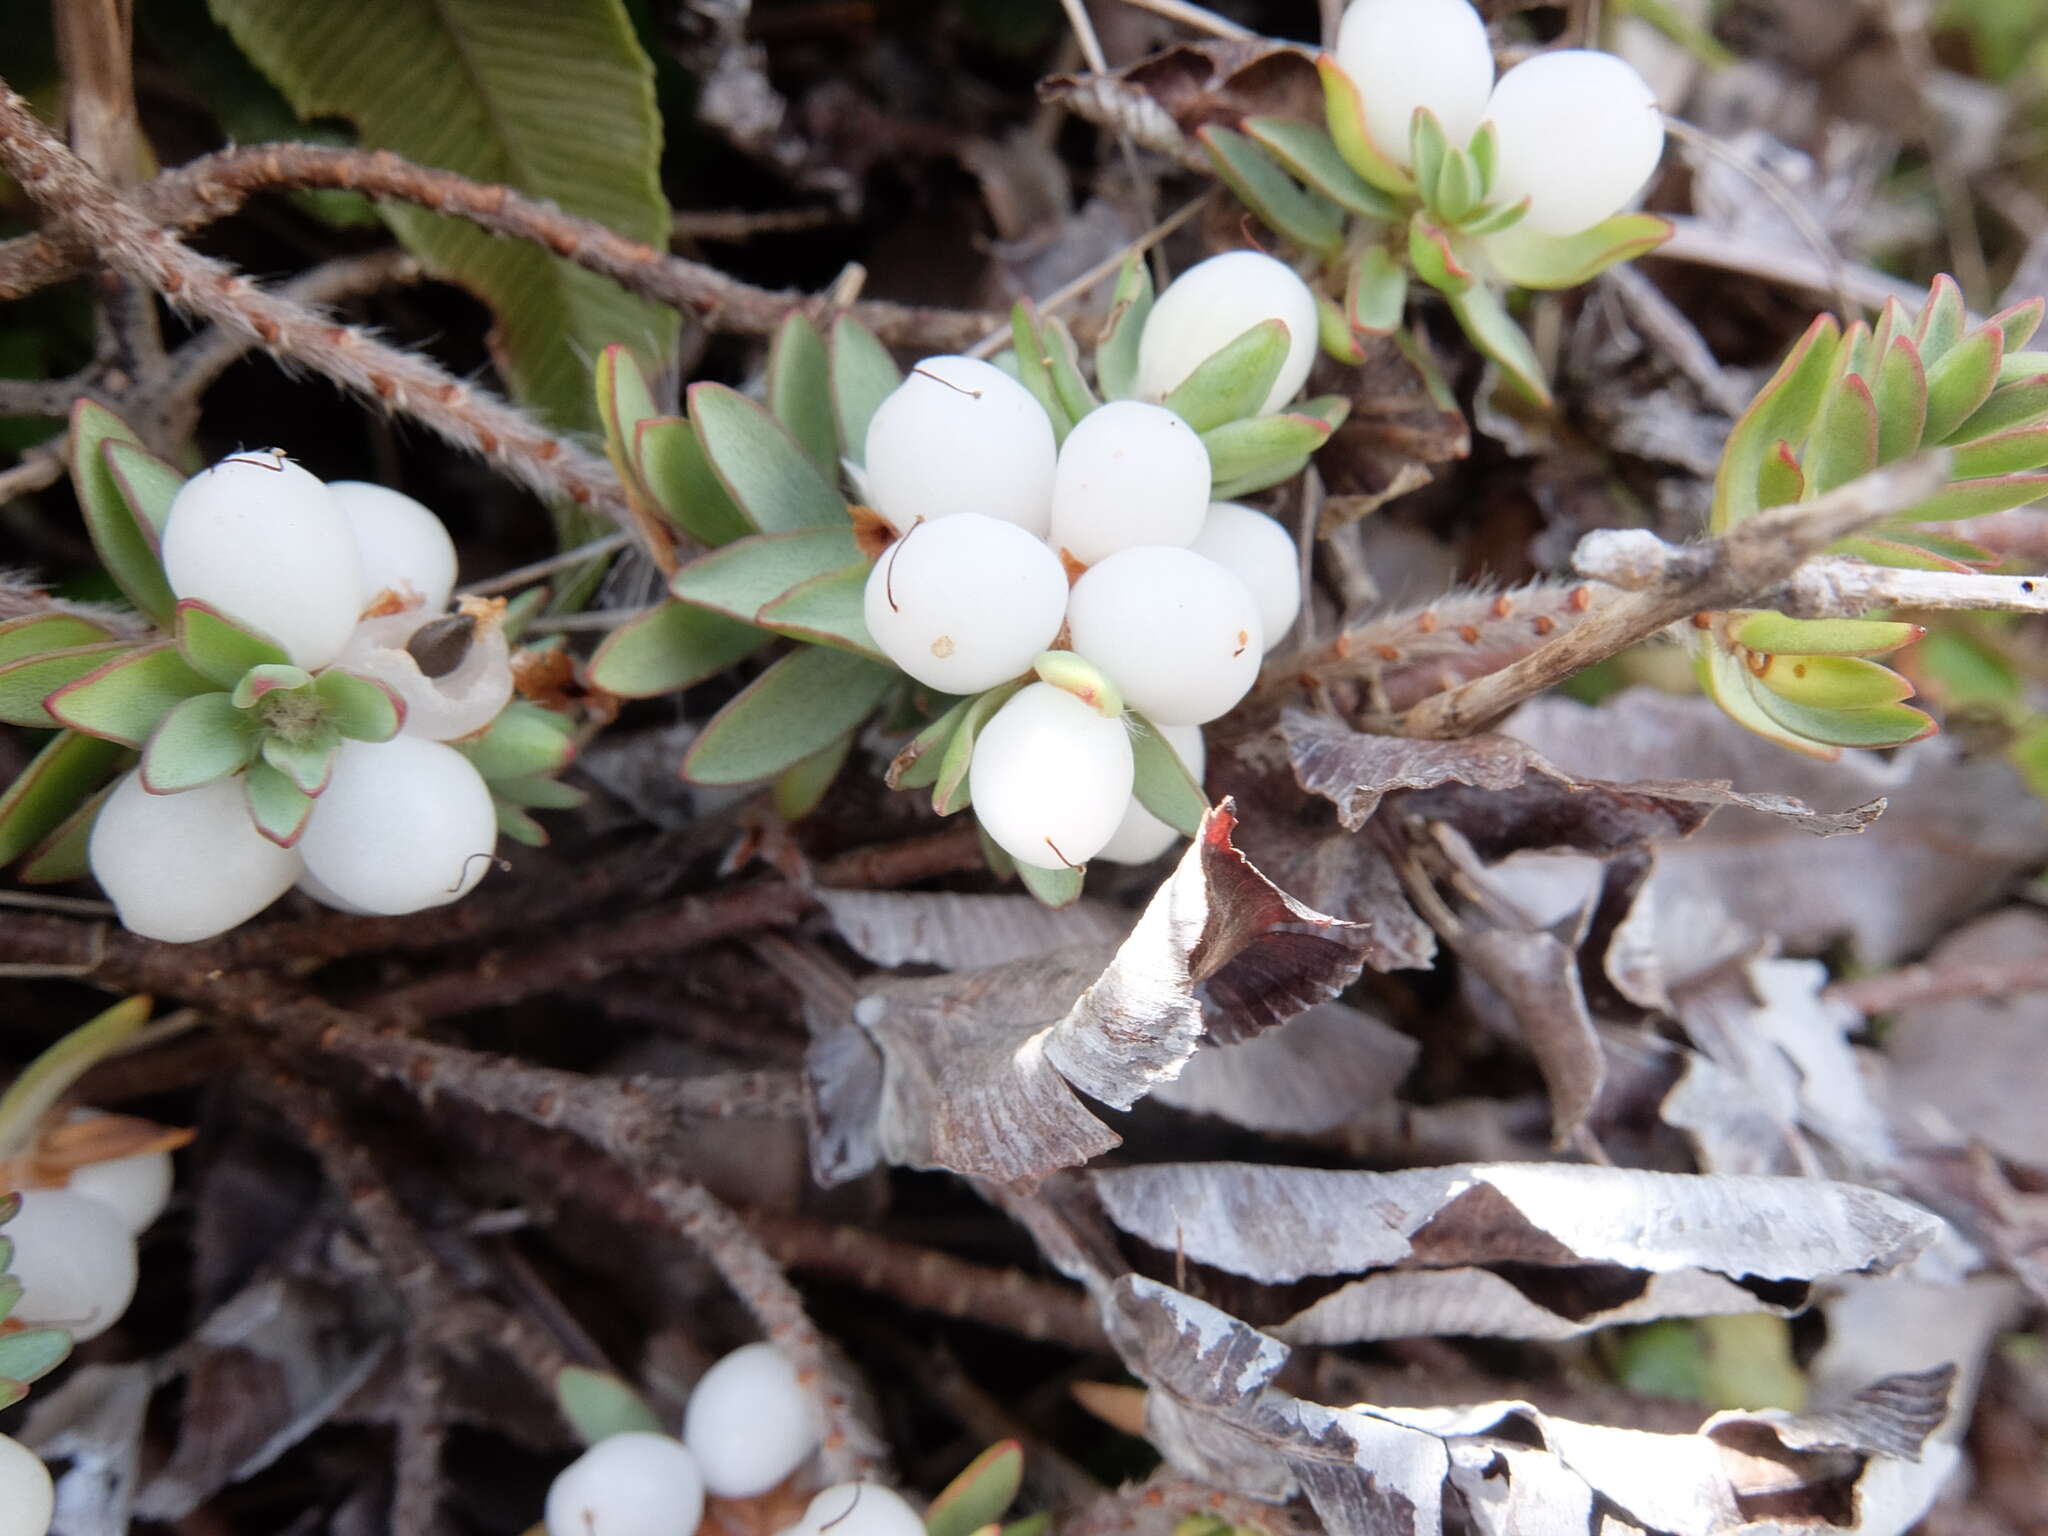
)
(1178, 634)
(960, 435)
(750, 1423)
(1141, 837)
(187, 866)
(632, 1484)
(265, 543)
(1212, 304)
(75, 1261)
(403, 546)
(858, 1509)
(1050, 777)
(1404, 54)
(28, 1500)
(1260, 553)
(1129, 474)
(966, 602)
(1580, 134)
(404, 824)
(136, 1189)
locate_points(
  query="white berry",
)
(266, 543)
(960, 435)
(75, 1261)
(1050, 777)
(632, 1484)
(1141, 837)
(28, 1501)
(186, 866)
(404, 824)
(1580, 134)
(1212, 304)
(858, 1509)
(965, 603)
(1404, 54)
(749, 1423)
(1261, 554)
(403, 546)
(1178, 635)
(1129, 474)
(136, 1189)
(458, 703)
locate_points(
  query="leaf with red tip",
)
(1960, 382)
(123, 532)
(797, 707)
(2018, 323)
(1531, 260)
(978, 1496)
(1311, 156)
(1880, 725)
(1942, 321)
(1844, 442)
(1832, 682)
(279, 807)
(26, 684)
(1781, 481)
(220, 649)
(1774, 633)
(1344, 114)
(2003, 453)
(1493, 331)
(202, 739)
(124, 699)
(1286, 207)
(1782, 411)
(1901, 395)
(671, 647)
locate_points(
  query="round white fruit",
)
(632, 1484)
(403, 546)
(458, 703)
(265, 543)
(964, 603)
(1212, 304)
(75, 1261)
(749, 1423)
(1129, 474)
(136, 1189)
(404, 824)
(1178, 634)
(858, 1509)
(1261, 554)
(1141, 837)
(186, 866)
(1050, 777)
(1404, 54)
(28, 1501)
(960, 435)
(1580, 134)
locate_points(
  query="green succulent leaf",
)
(1725, 680)
(748, 574)
(360, 709)
(1901, 396)
(1344, 115)
(1781, 481)
(1034, 366)
(1531, 260)
(950, 790)
(32, 1353)
(673, 646)
(1063, 362)
(1428, 150)
(1054, 888)
(261, 681)
(769, 477)
(826, 610)
(1942, 322)
(1774, 632)
(2016, 325)
(1334, 330)
(2020, 402)
(513, 822)
(1331, 410)
(1311, 156)
(122, 531)
(202, 739)
(1376, 292)
(681, 482)
(1911, 550)
(598, 1405)
(1457, 189)
(526, 742)
(1975, 498)
(306, 763)
(1242, 450)
(800, 392)
(1880, 725)
(1431, 254)
(1832, 682)
(863, 376)
(624, 400)
(1163, 785)
(61, 777)
(1307, 218)
(1116, 354)
(45, 632)
(1256, 480)
(1491, 329)
(1782, 411)
(916, 765)
(27, 683)
(979, 1495)
(2002, 453)
(1234, 380)
(1844, 442)
(123, 699)
(799, 706)
(277, 805)
(1960, 382)
(544, 793)
(218, 648)
(801, 788)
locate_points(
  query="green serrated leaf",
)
(124, 539)
(1832, 682)
(799, 706)
(1240, 449)
(1881, 725)
(1053, 887)
(979, 1495)
(1901, 396)
(1960, 382)
(525, 741)
(767, 475)
(916, 765)
(2002, 453)
(1531, 260)
(1307, 218)
(203, 738)
(801, 788)
(358, 708)
(682, 485)
(1163, 784)
(1116, 354)
(1844, 442)
(1774, 633)
(826, 610)
(670, 647)
(26, 683)
(1310, 155)
(1376, 294)
(1781, 412)
(49, 1077)
(1234, 380)
(1431, 254)
(1942, 322)
(277, 805)
(742, 578)
(553, 97)
(1491, 329)
(306, 763)
(950, 790)
(218, 648)
(123, 699)
(598, 1405)
(1344, 115)
(800, 392)
(863, 376)
(45, 632)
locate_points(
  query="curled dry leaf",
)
(1312, 1074)
(962, 932)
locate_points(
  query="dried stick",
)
(1914, 985)
(1753, 557)
(84, 207)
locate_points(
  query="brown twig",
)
(1914, 985)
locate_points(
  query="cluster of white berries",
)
(342, 576)
(1175, 598)
(1579, 131)
(748, 1425)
